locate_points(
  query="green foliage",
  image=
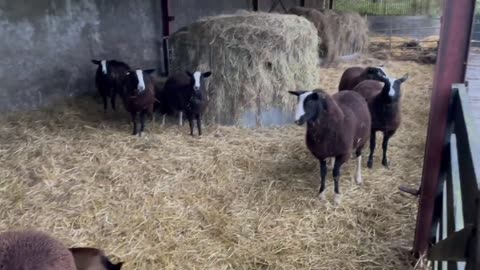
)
(390, 7)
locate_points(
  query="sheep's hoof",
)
(321, 195)
(386, 164)
(370, 164)
(359, 180)
(338, 198)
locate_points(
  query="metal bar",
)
(255, 5)
(302, 3)
(456, 191)
(444, 217)
(330, 4)
(450, 68)
(453, 248)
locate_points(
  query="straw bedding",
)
(233, 199)
(340, 32)
(255, 58)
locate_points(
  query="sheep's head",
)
(376, 73)
(308, 107)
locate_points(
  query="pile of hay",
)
(340, 32)
(232, 199)
(255, 58)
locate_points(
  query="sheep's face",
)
(307, 107)
(376, 73)
(197, 80)
(135, 81)
(393, 86)
(102, 65)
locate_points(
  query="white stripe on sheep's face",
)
(198, 80)
(394, 87)
(141, 82)
(103, 63)
(307, 106)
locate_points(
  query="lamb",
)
(139, 97)
(354, 75)
(384, 105)
(336, 125)
(109, 79)
(21, 250)
(184, 92)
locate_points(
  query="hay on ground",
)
(340, 32)
(233, 199)
(255, 58)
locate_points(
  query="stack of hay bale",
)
(340, 33)
(255, 59)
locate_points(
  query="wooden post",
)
(450, 68)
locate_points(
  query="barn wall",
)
(46, 45)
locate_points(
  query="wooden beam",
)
(450, 68)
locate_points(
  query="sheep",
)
(21, 250)
(139, 96)
(354, 75)
(93, 259)
(184, 92)
(384, 105)
(336, 125)
(109, 79)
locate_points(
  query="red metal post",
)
(450, 68)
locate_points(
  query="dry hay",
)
(233, 199)
(340, 32)
(255, 58)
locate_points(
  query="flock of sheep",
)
(182, 93)
(337, 126)
(341, 123)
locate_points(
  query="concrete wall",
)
(46, 45)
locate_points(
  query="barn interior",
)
(244, 194)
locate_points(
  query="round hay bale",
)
(255, 59)
(340, 32)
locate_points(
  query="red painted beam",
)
(450, 68)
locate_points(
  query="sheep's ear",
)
(189, 73)
(296, 93)
(149, 71)
(96, 62)
(404, 78)
(207, 74)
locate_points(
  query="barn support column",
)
(452, 57)
(166, 20)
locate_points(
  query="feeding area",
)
(234, 198)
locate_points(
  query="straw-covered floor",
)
(233, 199)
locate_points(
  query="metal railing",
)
(455, 238)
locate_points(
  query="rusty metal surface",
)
(451, 63)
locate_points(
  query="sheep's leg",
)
(163, 119)
(323, 176)
(199, 124)
(134, 120)
(386, 137)
(332, 162)
(142, 123)
(105, 103)
(112, 100)
(339, 160)
(190, 122)
(372, 149)
(358, 171)
(180, 118)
